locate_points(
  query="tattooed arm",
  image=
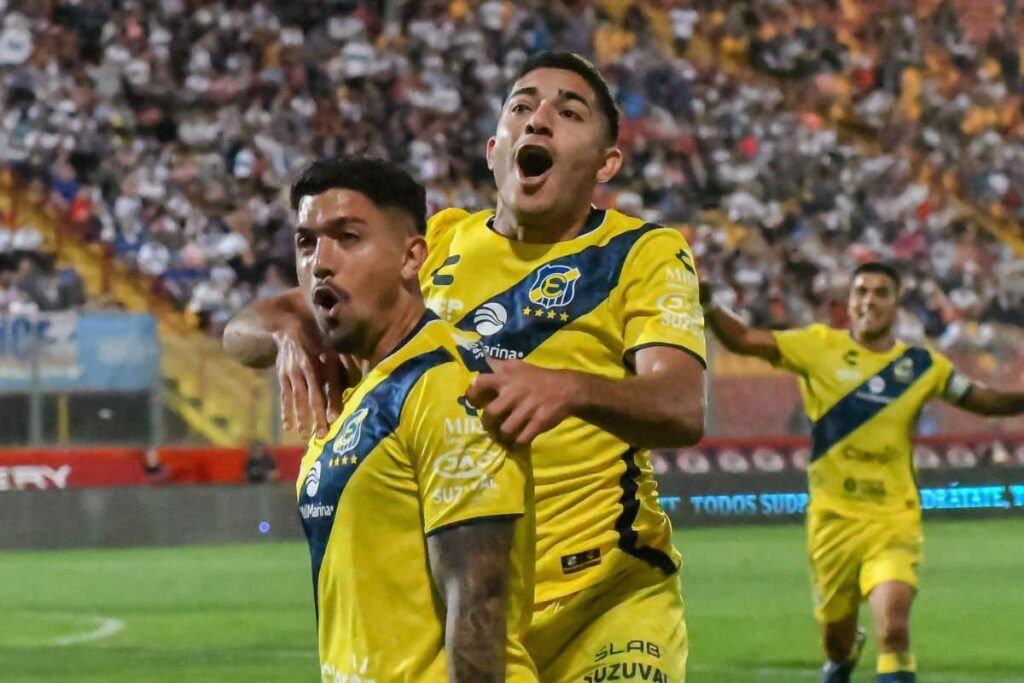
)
(470, 565)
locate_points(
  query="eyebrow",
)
(333, 224)
(562, 94)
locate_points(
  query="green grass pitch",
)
(243, 613)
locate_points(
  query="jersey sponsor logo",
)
(849, 375)
(452, 494)
(876, 384)
(627, 671)
(463, 426)
(348, 435)
(315, 510)
(554, 285)
(679, 311)
(501, 353)
(447, 308)
(313, 479)
(490, 318)
(580, 561)
(860, 455)
(465, 464)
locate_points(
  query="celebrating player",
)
(400, 501)
(605, 309)
(863, 390)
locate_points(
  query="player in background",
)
(863, 390)
(419, 524)
(594, 321)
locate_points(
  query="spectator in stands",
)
(261, 467)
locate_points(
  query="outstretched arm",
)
(470, 565)
(985, 400)
(282, 331)
(739, 337)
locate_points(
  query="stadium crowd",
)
(168, 130)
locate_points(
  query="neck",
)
(553, 226)
(879, 343)
(397, 326)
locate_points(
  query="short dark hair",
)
(881, 267)
(384, 183)
(570, 61)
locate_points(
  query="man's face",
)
(873, 305)
(551, 143)
(352, 261)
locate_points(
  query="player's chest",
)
(861, 380)
(520, 307)
(355, 464)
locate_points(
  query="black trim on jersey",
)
(428, 317)
(632, 352)
(474, 521)
(628, 537)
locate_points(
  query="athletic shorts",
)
(850, 557)
(628, 627)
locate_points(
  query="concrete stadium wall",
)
(147, 515)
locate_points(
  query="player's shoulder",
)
(817, 333)
(644, 242)
(447, 222)
(447, 352)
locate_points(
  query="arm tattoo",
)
(470, 565)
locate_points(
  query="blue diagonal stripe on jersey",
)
(600, 267)
(384, 403)
(862, 404)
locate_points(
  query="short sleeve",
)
(944, 373)
(659, 295)
(462, 473)
(799, 348)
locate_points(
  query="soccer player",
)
(594, 326)
(418, 522)
(863, 390)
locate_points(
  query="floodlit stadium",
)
(588, 300)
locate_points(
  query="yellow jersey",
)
(407, 457)
(863, 406)
(584, 304)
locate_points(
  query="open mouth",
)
(533, 161)
(326, 298)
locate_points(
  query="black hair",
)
(570, 61)
(882, 267)
(384, 183)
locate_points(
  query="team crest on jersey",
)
(554, 286)
(348, 435)
(904, 370)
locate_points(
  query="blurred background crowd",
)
(790, 139)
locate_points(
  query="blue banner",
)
(78, 352)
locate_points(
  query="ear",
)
(414, 257)
(612, 164)
(489, 153)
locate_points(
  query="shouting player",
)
(863, 390)
(399, 507)
(594, 323)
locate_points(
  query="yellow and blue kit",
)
(864, 515)
(407, 458)
(585, 304)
